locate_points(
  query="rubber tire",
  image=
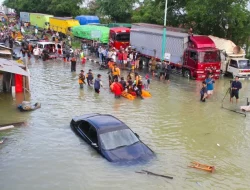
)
(186, 73)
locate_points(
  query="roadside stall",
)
(14, 77)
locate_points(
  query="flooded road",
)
(46, 154)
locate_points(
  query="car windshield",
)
(244, 64)
(115, 139)
(122, 37)
(209, 56)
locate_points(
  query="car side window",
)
(193, 55)
(40, 46)
(92, 134)
(233, 63)
(84, 126)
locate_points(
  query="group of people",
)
(90, 77)
(123, 57)
(208, 88)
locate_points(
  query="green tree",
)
(55, 7)
(118, 10)
(211, 18)
(152, 11)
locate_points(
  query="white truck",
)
(233, 61)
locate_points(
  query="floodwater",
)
(46, 154)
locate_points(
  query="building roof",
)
(11, 66)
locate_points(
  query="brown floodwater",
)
(46, 154)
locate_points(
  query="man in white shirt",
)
(36, 52)
(113, 56)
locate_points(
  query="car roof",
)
(32, 40)
(105, 123)
(45, 43)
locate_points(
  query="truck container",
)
(233, 61)
(195, 56)
(40, 20)
(63, 24)
(119, 37)
(86, 19)
(92, 32)
(25, 17)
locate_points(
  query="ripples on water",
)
(46, 154)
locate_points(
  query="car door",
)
(233, 68)
(88, 133)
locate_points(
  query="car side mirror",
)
(94, 145)
(137, 135)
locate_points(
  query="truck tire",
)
(186, 73)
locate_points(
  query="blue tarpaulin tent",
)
(86, 19)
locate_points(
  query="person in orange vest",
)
(81, 79)
(116, 72)
(111, 64)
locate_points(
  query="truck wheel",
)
(186, 73)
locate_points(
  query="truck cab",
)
(200, 58)
(119, 37)
(238, 67)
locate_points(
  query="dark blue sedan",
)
(112, 138)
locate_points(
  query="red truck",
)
(119, 37)
(195, 56)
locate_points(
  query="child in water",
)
(203, 92)
(147, 82)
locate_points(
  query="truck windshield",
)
(244, 64)
(209, 56)
(122, 37)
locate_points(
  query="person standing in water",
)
(81, 79)
(89, 77)
(98, 83)
(203, 92)
(73, 64)
(235, 87)
(210, 85)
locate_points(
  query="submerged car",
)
(112, 138)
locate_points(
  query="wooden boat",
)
(204, 167)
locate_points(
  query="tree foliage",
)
(118, 10)
(211, 18)
(152, 11)
(55, 7)
(208, 17)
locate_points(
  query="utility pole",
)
(164, 40)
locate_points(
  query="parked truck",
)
(195, 56)
(233, 61)
(40, 20)
(119, 37)
(25, 17)
(63, 25)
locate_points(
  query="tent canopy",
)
(11, 66)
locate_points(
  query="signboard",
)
(96, 34)
(167, 56)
